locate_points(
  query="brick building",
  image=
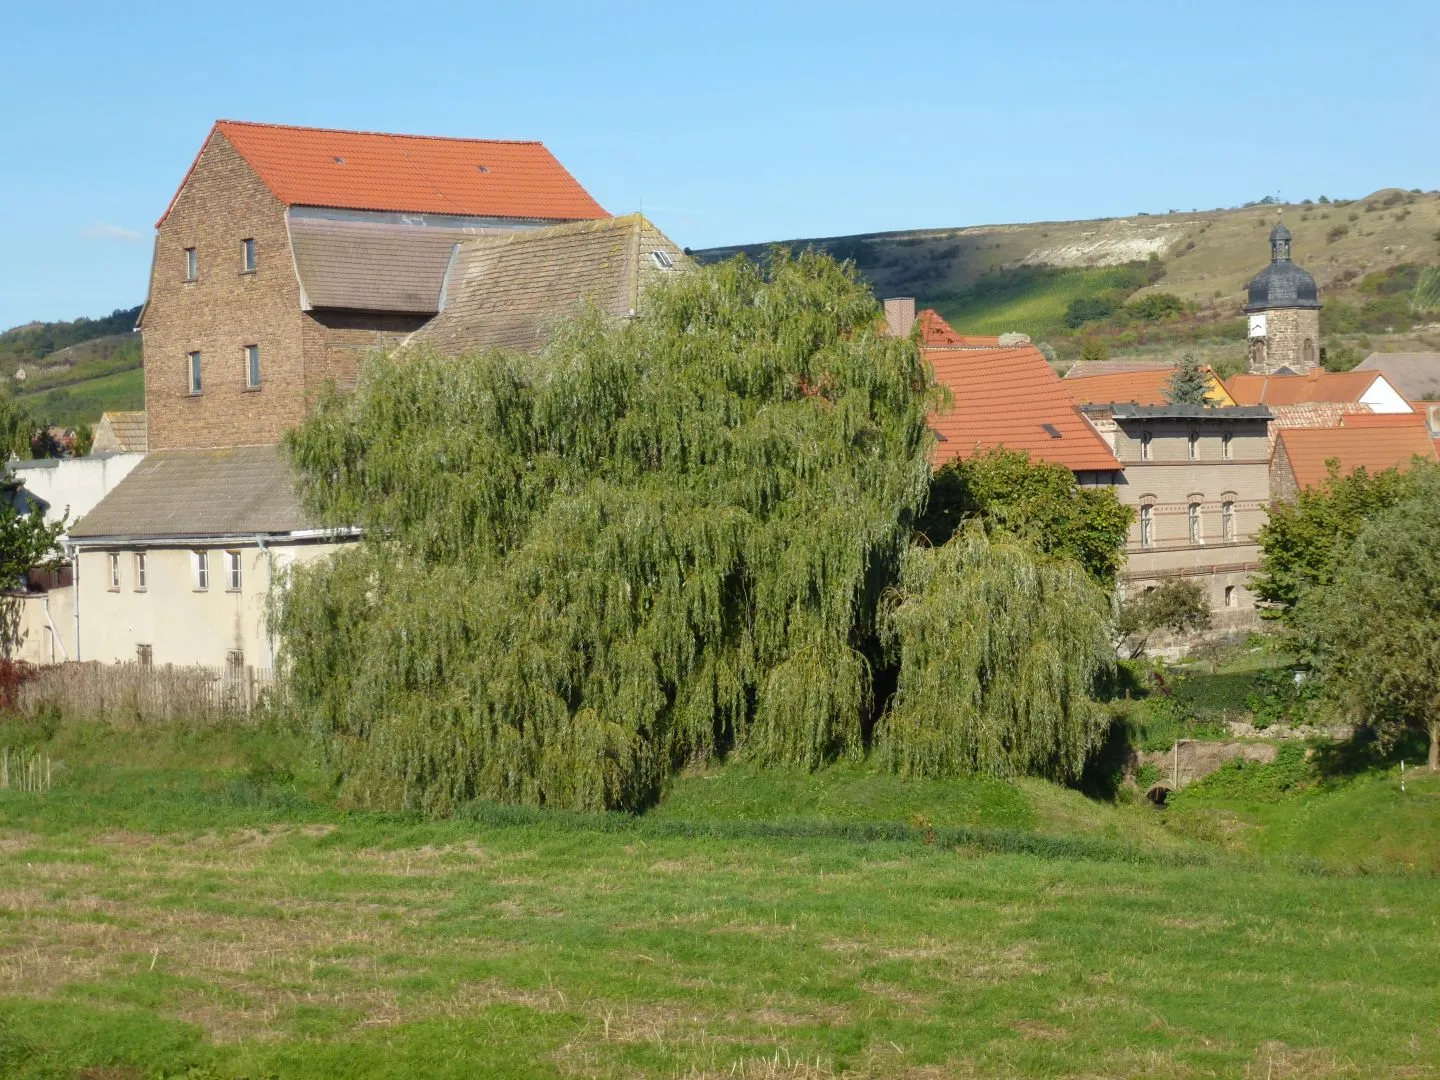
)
(287, 253)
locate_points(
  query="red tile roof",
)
(1133, 387)
(936, 333)
(1005, 397)
(1374, 442)
(362, 170)
(1299, 389)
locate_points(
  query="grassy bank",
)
(193, 903)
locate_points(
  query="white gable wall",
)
(1384, 398)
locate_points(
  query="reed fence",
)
(138, 693)
(24, 770)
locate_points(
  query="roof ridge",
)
(377, 134)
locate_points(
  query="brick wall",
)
(1287, 332)
(335, 342)
(223, 310)
(1283, 487)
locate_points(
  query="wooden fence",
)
(135, 693)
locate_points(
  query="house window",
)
(196, 383)
(1145, 446)
(1229, 595)
(232, 571)
(247, 255)
(252, 367)
(140, 571)
(1227, 521)
(1225, 450)
(1197, 527)
(1147, 526)
(202, 570)
(1194, 445)
(144, 655)
(114, 571)
(192, 265)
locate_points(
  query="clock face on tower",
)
(1257, 325)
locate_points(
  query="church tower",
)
(1284, 310)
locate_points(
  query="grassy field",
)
(83, 400)
(191, 903)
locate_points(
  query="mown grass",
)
(188, 900)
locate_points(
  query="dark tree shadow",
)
(1105, 771)
(1362, 753)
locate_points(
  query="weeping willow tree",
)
(656, 539)
(999, 648)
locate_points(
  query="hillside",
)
(1364, 254)
(74, 371)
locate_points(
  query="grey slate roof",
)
(236, 491)
(506, 291)
(371, 265)
(1185, 412)
(1416, 375)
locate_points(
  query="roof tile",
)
(1361, 443)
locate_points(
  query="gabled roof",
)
(505, 291)
(1140, 387)
(1374, 443)
(123, 432)
(1416, 375)
(238, 491)
(1012, 398)
(365, 170)
(1296, 389)
(936, 333)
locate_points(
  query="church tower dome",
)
(1283, 303)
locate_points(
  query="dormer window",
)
(192, 265)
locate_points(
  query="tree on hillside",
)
(999, 651)
(1303, 541)
(658, 539)
(1093, 348)
(1374, 632)
(17, 428)
(1004, 491)
(1190, 384)
(1176, 605)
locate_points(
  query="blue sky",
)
(728, 123)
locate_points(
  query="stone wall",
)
(1292, 340)
(223, 310)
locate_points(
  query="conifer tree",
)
(1190, 384)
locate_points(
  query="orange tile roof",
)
(936, 333)
(1134, 387)
(1368, 445)
(1299, 389)
(362, 170)
(1005, 397)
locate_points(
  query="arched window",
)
(1145, 445)
(1227, 521)
(1147, 526)
(1225, 440)
(1309, 353)
(1197, 527)
(1229, 595)
(1194, 445)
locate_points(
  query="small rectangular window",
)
(1145, 446)
(192, 265)
(252, 367)
(114, 571)
(1147, 526)
(1194, 445)
(1227, 522)
(1197, 528)
(196, 382)
(232, 571)
(144, 655)
(202, 570)
(140, 571)
(247, 255)
(1225, 450)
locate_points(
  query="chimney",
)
(900, 315)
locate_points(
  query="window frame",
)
(144, 655)
(234, 576)
(200, 567)
(1230, 595)
(195, 373)
(1145, 438)
(1192, 445)
(114, 585)
(141, 581)
(1147, 525)
(1227, 521)
(192, 265)
(1196, 523)
(249, 258)
(252, 366)
(1227, 450)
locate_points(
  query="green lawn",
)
(82, 402)
(183, 903)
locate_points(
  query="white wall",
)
(1384, 398)
(76, 483)
(181, 623)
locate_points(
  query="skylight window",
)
(662, 260)
(339, 160)
(1052, 431)
(483, 168)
